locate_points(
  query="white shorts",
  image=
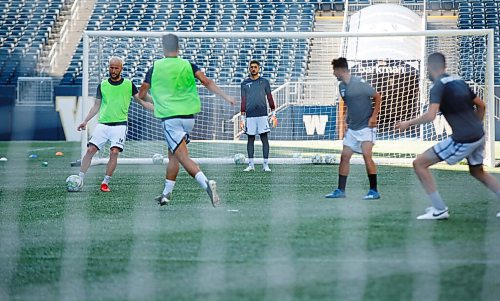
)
(115, 134)
(453, 152)
(176, 130)
(257, 125)
(353, 139)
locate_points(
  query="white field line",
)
(9, 224)
(423, 259)
(141, 282)
(491, 278)
(211, 272)
(76, 244)
(281, 273)
(353, 266)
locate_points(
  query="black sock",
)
(342, 182)
(265, 145)
(373, 181)
(250, 147)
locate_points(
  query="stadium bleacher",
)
(25, 27)
(224, 15)
(478, 14)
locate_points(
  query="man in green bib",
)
(112, 103)
(172, 82)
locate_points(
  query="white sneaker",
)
(266, 168)
(433, 213)
(249, 168)
(212, 193)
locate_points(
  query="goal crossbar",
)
(291, 100)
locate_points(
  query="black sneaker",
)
(163, 200)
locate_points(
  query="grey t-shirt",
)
(357, 95)
(255, 93)
(455, 99)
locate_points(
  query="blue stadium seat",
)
(211, 15)
(25, 27)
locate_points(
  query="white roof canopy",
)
(385, 18)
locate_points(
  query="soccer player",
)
(112, 102)
(176, 101)
(363, 107)
(254, 91)
(464, 111)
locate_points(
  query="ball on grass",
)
(317, 159)
(157, 159)
(330, 159)
(74, 183)
(239, 159)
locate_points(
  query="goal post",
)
(298, 66)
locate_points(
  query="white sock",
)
(201, 179)
(266, 162)
(106, 179)
(250, 162)
(169, 187)
(81, 175)
(437, 201)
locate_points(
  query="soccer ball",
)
(157, 159)
(239, 159)
(330, 159)
(74, 183)
(317, 159)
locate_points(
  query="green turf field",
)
(274, 238)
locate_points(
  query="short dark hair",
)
(255, 62)
(341, 62)
(436, 61)
(170, 42)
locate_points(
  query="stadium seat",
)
(25, 26)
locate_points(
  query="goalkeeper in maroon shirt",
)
(254, 91)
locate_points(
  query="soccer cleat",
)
(163, 200)
(433, 213)
(249, 168)
(498, 214)
(105, 187)
(266, 168)
(336, 194)
(372, 195)
(212, 193)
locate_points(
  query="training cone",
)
(59, 154)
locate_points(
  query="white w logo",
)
(315, 123)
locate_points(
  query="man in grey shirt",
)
(363, 107)
(464, 111)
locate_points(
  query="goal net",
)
(310, 111)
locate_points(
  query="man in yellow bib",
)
(172, 81)
(112, 103)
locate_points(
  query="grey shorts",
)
(453, 152)
(176, 130)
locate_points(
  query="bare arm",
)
(377, 99)
(210, 85)
(480, 107)
(143, 91)
(424, 118)
(93, 111)
(147, 102)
